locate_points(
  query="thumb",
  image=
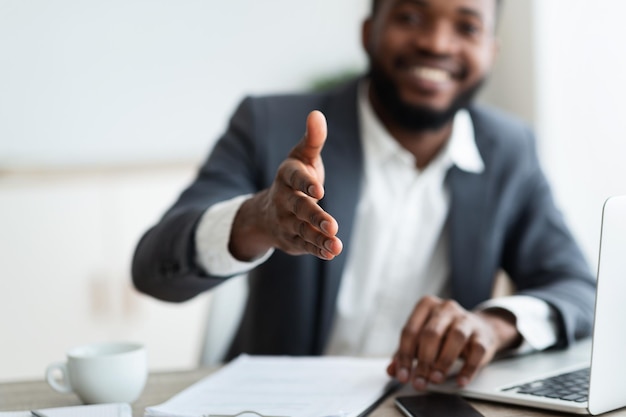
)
(310, 146)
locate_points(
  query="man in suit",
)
(380, 231)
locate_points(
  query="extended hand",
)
(440, 331)
(287, 215)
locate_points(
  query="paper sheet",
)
(283, 386)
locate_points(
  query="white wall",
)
(580, 107)
(65, 246)
(84, 82)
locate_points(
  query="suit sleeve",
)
(164, 261)
(543, 259)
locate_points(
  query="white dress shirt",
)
(398, 249)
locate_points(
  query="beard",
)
(416, 118)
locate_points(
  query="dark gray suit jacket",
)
(503, 218)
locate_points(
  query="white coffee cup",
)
(102, 372)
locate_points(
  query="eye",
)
(408, 18)
(468, 28)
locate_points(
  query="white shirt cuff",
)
(536, 321)
(213, 236)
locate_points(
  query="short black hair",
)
(376, 5)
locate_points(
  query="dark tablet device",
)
(435, 404)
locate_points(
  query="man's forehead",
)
(464, 6)
(485, 10)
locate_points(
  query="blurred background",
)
(107, 108)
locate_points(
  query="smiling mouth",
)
(430, 74)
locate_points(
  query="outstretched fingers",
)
(300, 224)
(298, 176)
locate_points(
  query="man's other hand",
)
(287, 215)
(439, 332)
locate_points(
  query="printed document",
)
(283, 386)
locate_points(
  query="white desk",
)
(161, 386)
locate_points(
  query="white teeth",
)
(431, 74)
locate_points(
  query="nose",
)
(437, 39)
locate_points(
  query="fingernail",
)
(403, 375)
(419, 383)
(436, 377)
(311, 190)
(463, 381)
(325, 225)
(325, 254)
(328, 244)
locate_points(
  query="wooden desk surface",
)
(29, 395)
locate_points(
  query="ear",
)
(366, 29)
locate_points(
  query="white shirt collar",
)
(461, 149)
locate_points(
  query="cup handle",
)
(62, 385)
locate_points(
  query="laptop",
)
(598, 364)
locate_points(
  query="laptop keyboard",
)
(571, 386)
